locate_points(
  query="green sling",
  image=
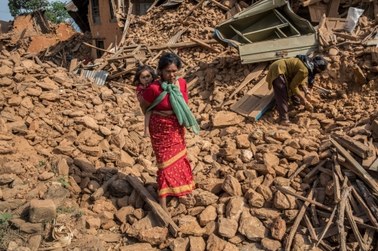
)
(182, 111)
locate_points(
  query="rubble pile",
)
(76, 171)
(38, 37)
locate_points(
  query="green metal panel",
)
(278, 48)
(266, 31)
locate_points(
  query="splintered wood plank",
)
(73, 65)
(256, 102)
(156, 208)
(265, 104)
(243, 106)
(318, 204)
(203, 44)
(368, 238)
(251, 76)
(369, 198)
(330, 221)
(357, 168)
(199, 5)
(353, 224)
(99, 192)
(152, 5)
(337, 190)
(310, 228)
(177, 36)
(298, 219)
(354, 146)
(365, 207)
(129, 19)
(221, 6)
(180, 45)
(334, 23)
(340, 219)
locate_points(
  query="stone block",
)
(42, 210)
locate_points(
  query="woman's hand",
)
(309, 106)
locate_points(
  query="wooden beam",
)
(346, 36)
(129, 18)
(193, 9)
(330, 220)
(368, 197)
(99, 192)
(354, 146)
(192, 83)
(73, 65)
(341, 217)
(100, 49)
(266, 103)
(304, 166)
(204, 45)
(336, 182)
(221, 6)
(365, 207)
(251, 76)
(287, 191)
(354, 226)
(298, 220)
(152, 6)
(310, 228)
(181, 45)
(119, 74)
(357, 168)
(156, 208)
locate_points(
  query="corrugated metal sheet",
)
(98, 77)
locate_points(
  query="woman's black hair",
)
(141, 69)
(167, 59)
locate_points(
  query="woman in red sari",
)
(167, 131)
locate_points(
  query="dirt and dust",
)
(62, 137)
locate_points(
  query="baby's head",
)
(144, 75)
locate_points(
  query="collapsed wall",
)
(62, 138)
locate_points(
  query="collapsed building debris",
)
(36, 36)
(75, 151)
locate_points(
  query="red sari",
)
(175, 176)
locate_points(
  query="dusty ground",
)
(61, 138)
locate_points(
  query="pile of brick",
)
(260, 186)
(36, 36)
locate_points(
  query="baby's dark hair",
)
(141, 69)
